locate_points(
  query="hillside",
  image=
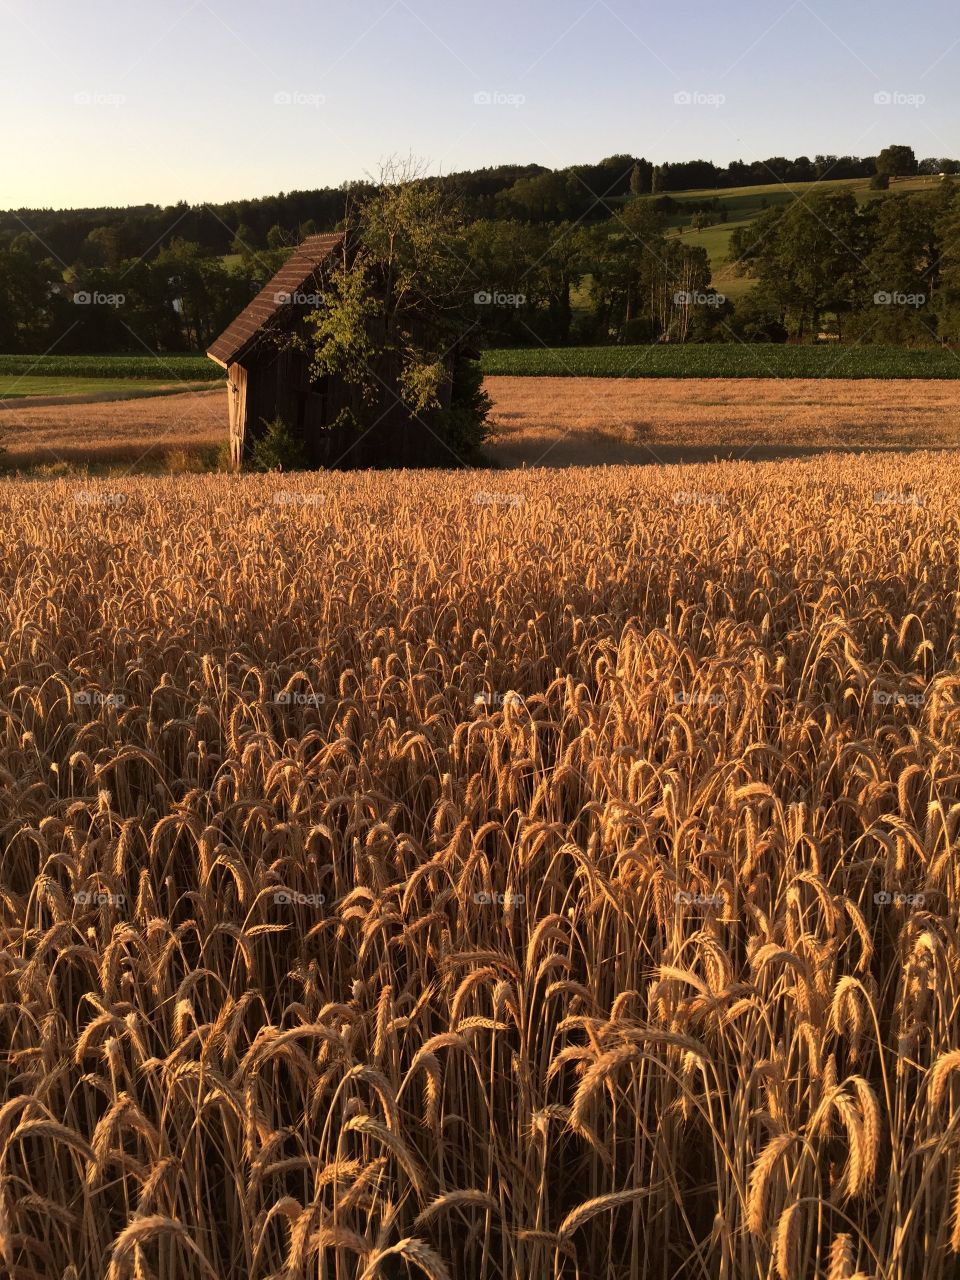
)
(744, 205)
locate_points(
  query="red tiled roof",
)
(290, 279)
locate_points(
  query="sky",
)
(209, 100)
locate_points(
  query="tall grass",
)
(404, 876)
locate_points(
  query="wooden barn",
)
(268, 377)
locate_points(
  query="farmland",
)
(22, 386)
(724, 360)
(51, 375)
(557, 421)
(482, 875)
(196, 368)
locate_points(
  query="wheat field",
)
(542, 421)
(480, 876)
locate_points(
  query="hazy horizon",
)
(111, 107)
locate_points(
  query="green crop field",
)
(723, 360)
(165, 370)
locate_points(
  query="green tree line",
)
(541, 270)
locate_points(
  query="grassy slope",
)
(744, 204)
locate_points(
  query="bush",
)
(880, 182)
(278, 449)
(464, 425)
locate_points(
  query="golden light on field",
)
(482, 875)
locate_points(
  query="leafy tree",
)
(548, 197)
(25, 299)
(901, 271)
(102, 248)
(641, 178)
(897, 162)
(244, 241)
(396, 310)
(809, 257)
(947, 302)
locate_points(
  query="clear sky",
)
(108, 102)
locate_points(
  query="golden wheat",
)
(550, 876)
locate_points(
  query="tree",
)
(897, 162)
(901, 270)
(243, 241)
(948, 295)
(809, 257)
(25, 297)
(880, 182)
(102, 248)
(397, 306)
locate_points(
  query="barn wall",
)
(278, 384)
(237, 410)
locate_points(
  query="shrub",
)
(277, 449)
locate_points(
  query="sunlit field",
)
(482, 875)
(537, 421)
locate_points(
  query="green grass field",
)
(18, 386)
(135, 375)
(165, 371)
(723, 360)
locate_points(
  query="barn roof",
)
(295, 273)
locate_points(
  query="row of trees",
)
(585, 192)
(887, 271)
(527, 282)
(821, 261)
